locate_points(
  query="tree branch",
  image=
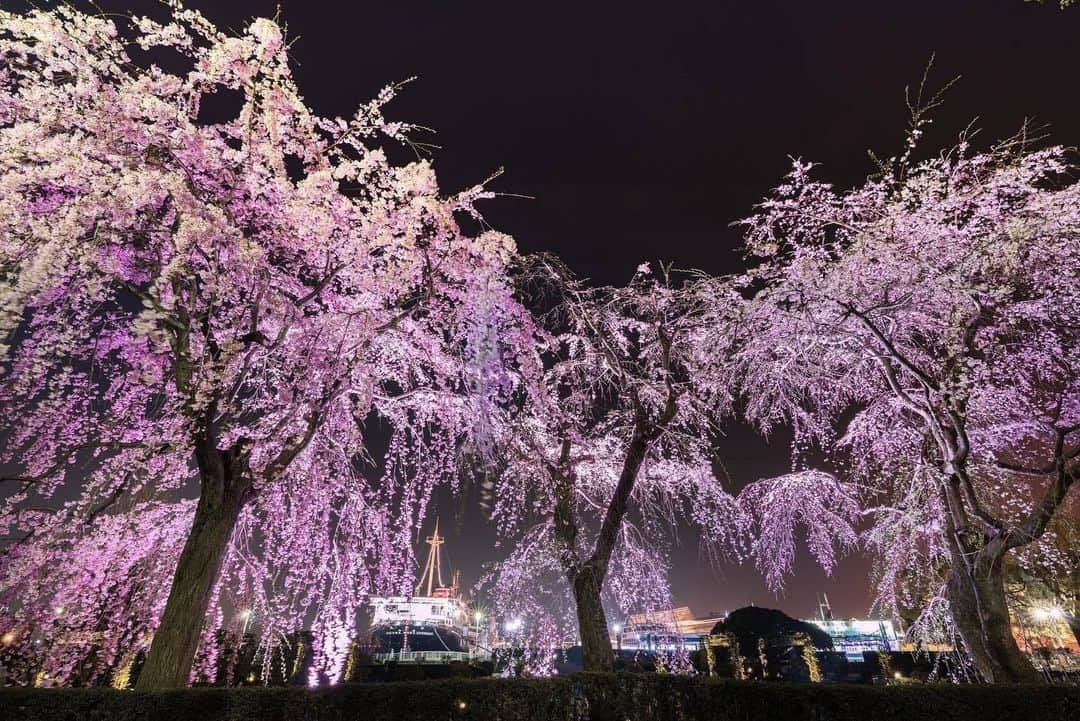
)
(1035, 524)
(63, 456)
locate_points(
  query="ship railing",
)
(424, 656)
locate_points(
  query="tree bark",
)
(978, 603)
(588, 579)
(596, 651)
(172, 652)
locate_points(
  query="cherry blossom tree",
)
(199, 323)
(922, 330)
(609, 448)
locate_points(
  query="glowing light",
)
(462, 705)
(478, 616)
(122, 678)
(617, 628)
(8, 638)
(1047, 613)
(897, 675)
(59, 610)
(514, 625)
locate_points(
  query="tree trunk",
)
(979, 608)
(596, 652)
(172, 652)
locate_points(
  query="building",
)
(679, 628)
(668, 630)
(853, 636)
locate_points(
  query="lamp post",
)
(513, 629)
(478, 616)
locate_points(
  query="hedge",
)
(593, 697)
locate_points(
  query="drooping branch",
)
(63, 457)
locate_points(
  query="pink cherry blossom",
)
(201, 325)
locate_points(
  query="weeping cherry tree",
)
(922, 330)
(199, 322)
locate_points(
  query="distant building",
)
(853, 636)
(678, 628)
(668, 630)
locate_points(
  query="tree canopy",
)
(750, 623)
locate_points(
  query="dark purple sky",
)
(644, 129)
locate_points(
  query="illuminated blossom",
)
(218, 309)
(921, 330)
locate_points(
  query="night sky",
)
(642, 130)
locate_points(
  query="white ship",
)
(430, 627)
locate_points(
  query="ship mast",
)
(433, 567)
(824, 609)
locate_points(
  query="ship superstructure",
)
(429, 627)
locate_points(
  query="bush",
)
(592, 697)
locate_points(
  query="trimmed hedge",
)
(592, 697)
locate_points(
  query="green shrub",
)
(585, 697)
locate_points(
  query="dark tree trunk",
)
(596, 652)
(172, 652)
(979, 608)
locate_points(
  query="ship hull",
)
(417, 637)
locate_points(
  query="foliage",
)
(638, 697)
(750, 623)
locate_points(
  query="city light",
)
(513, 625)
(617, 628)
(478, 616)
